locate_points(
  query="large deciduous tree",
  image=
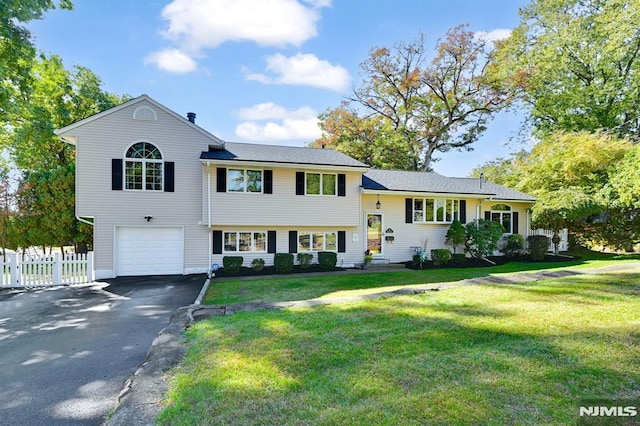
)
(578, 62)
(424, 106)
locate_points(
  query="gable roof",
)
(67, 129)
(249, 152)
(405, 181)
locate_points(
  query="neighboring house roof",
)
(405, 181)
(280, 154)
(66, 130)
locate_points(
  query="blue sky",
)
(262, 70)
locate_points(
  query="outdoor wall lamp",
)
(378, 203)
(148, 218)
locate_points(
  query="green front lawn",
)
(300, 288)
(490, 354)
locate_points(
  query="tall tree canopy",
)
(16, 47)
(423, 107)
(578, 62)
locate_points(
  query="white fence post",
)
(57, 268)
(15, 270)
(91, 272)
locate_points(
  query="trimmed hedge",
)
(257, 264)
(305, 260)
(538, 246)
(327, 260)
(459, 258)
(440, 257)
(232, 264)
(283, 263)
(514, 246)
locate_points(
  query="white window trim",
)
(502, 212)
(144, 162)
(335, 189)
(252, 250)
(324, 241)
(244, 189)
(455, 215)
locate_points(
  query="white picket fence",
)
(20, 271)
(564, 238)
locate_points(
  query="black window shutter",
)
(217, 242)
(293, 241)
(169, 178)
(271, 241)
(342, 241)
(487, 215)
(268, 182)
(342, 185)
(408, 213)
(116, 174)
(299, 183)
(221, 179)
(463, 211)
(514, 223)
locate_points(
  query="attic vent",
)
(144, 113)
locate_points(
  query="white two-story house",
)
(167, 197)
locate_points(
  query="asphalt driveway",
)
(65, 353)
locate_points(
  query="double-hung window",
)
(244, 180)
(245, 242)
(502, 214)
(435, 210)
(143, 167)
(320, 184)
(317, 241)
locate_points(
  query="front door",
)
(375, 239)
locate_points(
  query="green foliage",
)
(482, 237)
(257, 264)
(456, 235)
(440, 257)
(327, 260)
(232, 264)
(538, 246)
(459, 258)
(283, 263)
(305, 259)
(514, 246)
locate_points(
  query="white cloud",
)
(269, 122)
(200, 24)
(172, 60)
(493, 35)
(303, 70)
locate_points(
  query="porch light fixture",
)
(378, 203)
(148, 218)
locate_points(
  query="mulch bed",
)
(271, 270)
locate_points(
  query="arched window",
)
(143, 167)
(144, 113)
(501, 213)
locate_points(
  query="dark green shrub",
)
(327, 260)
(456, 235)
(482, 237)
(283, 263)
(232, 264)
(538, 246)
(304, 259)
(257, 264)
(440, 257)
(459, 258)
(514, 246)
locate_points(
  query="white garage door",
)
(149, 251)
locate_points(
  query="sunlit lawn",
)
(300, 288)
(490, 354)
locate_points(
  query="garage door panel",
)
(150, 251)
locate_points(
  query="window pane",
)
(133, 175)
(495, 217)
(506, 222)
(235, 180)
(318, 241)
(304, 242)
(449, 212)
(153, 176)
(330, 241)
(429, 210)
(136, 150)
(328, 184)
(230, 241)
(456, 209)
(254, 181)
(259, 241)
(245, 241)
(418, 213)
(439, 210)
(313, 183)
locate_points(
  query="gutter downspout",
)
(210, 242)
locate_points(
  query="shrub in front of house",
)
(257, 264)
(482, 237)
(440, 257)
(232, 264)
(304, 259)
(459, 258)
(514, 245)
(327, 260)
(456, 235)
(283, 263)
(538, 246)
